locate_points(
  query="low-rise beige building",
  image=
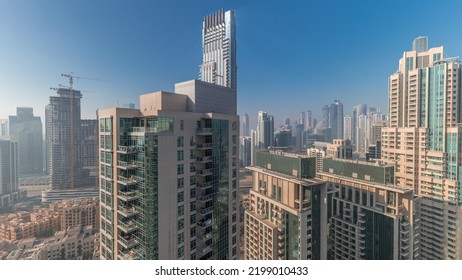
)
(76, 243)
(58, 216)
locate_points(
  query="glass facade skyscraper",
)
(219, 49)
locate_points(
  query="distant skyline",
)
(290, 58)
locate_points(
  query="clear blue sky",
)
(292, 55)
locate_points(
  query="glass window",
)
(179, 155)
(180, 141)
(180, 183)
(192, 180)
(180, 197)
(192, 193)
(180, 251)
(181, 124)
(180, 224)
(180, 210)
(180, 169)
(192, 167)
(180, 238)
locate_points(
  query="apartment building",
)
(287, 216)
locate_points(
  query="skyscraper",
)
(169, 175)
(358, 110)
(26, 130)
(302, 119)
(265, 130)
(245, 151)
(4, 130)
(9, 192)
(309, 120)
(336, 119)
(66, 137)
(423, 141)
(347, 127)
(245, 125)
(219, 49)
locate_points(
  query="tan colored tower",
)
(424, 141)
(168, 175)
(287, 217)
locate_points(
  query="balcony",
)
(126, 211)
(204, 172)
(204, 198)
(126, 150)
(127, 181)
(204, 131)
(127, 196)
(204, 224)
(204, 159)
(127, 227)
(206, 250)
(126, 165)
(127, 243)
(404, 246)
(204, 211)
(205, 237)
(130, 255)
(204, 185)
(204, 146)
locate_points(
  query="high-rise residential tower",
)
(265, 130)
(423, 141)
(287, 215)
(358, 110)
(9, 192)
(219, 49)
(26, 130)
(347, 125)
(245, 125)
(371, 218)
(169, 175)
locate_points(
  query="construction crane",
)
(71, 78)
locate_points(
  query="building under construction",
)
(71, 142)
